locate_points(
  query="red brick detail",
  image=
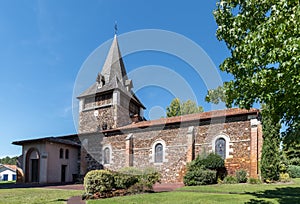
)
(254, 152)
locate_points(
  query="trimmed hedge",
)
(98, 181)
(200, 176)
(104, 183)
(294, 171)
(124, 181)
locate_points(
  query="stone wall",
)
(181, 143)
(91, 152)
(88, 122)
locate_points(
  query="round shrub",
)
(98, 181)
(241, 176)
(200, 176)
(294, 171)
(124, 181)
(212, 162)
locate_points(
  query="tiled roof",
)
(59, 140)
(11, 167)
(190, 117)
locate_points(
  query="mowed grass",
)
(36, 195)
(231, 194)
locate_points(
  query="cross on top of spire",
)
(116, 28)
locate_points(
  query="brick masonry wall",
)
(176, 149)
(239, 146)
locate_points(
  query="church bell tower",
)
(110, 102)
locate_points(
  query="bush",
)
(200, 176)
(98, 181)
(284, 177)
(241, 176)
(295, 161)
(294, 171)
(211, 161)
(146, 177)
(230, 180)
(254, 181)
(124, 181)
(149, 177)
(104, 183)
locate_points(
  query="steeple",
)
(109, 102)
(114, 65)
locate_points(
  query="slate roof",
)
(58, 140)
(114, 73)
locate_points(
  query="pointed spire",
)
(114, 65)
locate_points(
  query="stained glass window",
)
(220, 147)
(106, 156)
(158, 153)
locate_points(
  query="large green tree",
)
(178, 108)
(270, 160)
(263, 37)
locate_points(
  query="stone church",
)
(113, 134)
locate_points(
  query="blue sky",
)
(44, 43)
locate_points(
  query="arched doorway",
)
(32, 165)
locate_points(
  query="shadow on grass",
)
(285, 195)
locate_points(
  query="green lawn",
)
(36, 195)
(6, 182)
(234, 193)
(231, 193)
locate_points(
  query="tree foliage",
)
(292, 151)
(270, 160)
(9, 160)
(264, 43)
(177, 108)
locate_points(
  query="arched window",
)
(106, 156)
(61, 153)
(158, 158)
(67, 154)
(220, 147)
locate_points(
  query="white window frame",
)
(165, 154)
(110, 155)
(227, 141)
